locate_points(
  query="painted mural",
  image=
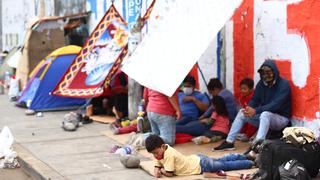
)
(287, 31)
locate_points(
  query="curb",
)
(34, 167)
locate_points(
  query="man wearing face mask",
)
(269, 108)
(192, 103)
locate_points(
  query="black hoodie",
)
(275, 98)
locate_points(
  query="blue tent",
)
(37, 94)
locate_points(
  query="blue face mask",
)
(188, 91)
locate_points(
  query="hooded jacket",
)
(275, 98)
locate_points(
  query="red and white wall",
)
(284, 30)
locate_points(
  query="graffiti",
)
(287, 32)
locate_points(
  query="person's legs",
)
(238, 123)
(213, 165)
(194, 128)
(121, 105)
(232, 157)
(184, 120)
(167, 128)
(153, 119)
(272, 121)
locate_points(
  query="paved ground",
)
(58, 154)
(14, 174)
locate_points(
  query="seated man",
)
(114, 98)
(216, 88)
(269, 108)
(192, 103)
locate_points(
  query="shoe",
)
(114, 129)
(201, 140)
(30, 112)
(251, 156)
(224, 146)
(242, 137)
(86, 120)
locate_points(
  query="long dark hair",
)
(220, 106)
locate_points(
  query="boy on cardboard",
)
(169, 162)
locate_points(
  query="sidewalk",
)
(48, 152)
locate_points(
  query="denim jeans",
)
(185, 120)
(163, 126)
(226, 163)
(194, 128)
(264, 121)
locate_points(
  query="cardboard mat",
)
(187, 149)
(148, 166)
(103, 119)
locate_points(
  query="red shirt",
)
(221, 123)
(244, 100)
(158, 102)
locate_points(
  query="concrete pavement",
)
(48, 152)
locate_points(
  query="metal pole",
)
(135, 25)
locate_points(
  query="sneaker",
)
(242, 137)
(224, 146)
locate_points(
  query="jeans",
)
(163, 126)
(226, 163)
(264, 121)
(185, 120)
(194, 128)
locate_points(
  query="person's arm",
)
(166, 173)
(207, 113)
(202, 106)
(175, 104)
(256, 98)
(282, 96)
(157, 172)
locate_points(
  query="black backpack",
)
(274, 153)
(293, 170)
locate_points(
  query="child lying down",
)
(170, 162)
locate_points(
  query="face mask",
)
(187, 91)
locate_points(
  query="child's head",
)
(246, 86)
(214, 86)
(219, 105)
(156, 146)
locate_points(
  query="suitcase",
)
(273, 153)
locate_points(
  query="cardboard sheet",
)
(103, 119)
(187, 149)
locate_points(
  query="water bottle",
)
(125, 150)
(140, 106)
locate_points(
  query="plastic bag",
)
(14, 88)
(6, 140)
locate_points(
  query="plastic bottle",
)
(125, 150)
(140, 106)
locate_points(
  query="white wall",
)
(15, 15)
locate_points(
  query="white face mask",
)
(188, 91)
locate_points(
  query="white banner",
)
(168, 52)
